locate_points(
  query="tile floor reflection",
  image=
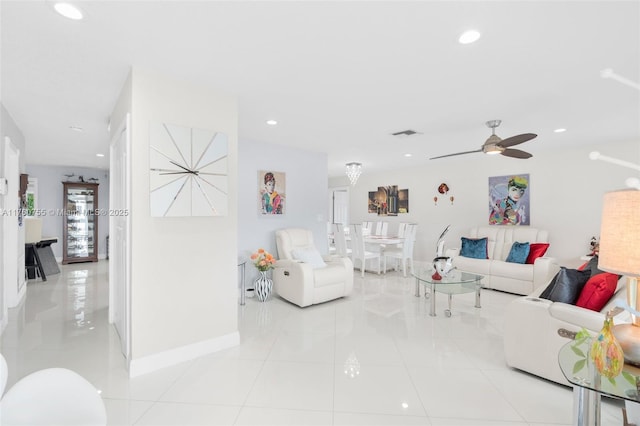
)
(374, 358)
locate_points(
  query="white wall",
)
(51, 197)
(566, 191)
(8, 128)
(184, 297)
(306, 196)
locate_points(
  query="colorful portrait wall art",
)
(271, 192)
(509, 200)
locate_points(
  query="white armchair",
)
(302, 276)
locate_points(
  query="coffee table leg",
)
(418, 288)
(433, 300)
(447, 313)
(478, 289)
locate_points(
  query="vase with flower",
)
(263, 261)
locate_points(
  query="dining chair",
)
(401, 229)
(358, 252)
(405, 252)
(382, 228)
(340, 240)
(367, 228)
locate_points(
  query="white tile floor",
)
(374, 358)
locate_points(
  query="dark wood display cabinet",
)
(80, 225)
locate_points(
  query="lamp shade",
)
(620, 233)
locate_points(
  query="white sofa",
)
(501, 275)
(535, 329)
(298, 278)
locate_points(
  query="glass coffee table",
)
(456, 282)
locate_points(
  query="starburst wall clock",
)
(188, 171)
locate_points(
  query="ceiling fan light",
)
(492, 149)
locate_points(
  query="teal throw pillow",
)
(518, 253)
(474, 248)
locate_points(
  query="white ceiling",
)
(339, 76)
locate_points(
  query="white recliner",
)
(535, 329)
(53, 396)
(302, 276)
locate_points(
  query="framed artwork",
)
(403, 201)
(372, 206)
(271, 192)
(187, 171)
(509, 200)
(388, 201)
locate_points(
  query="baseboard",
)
(148, 364)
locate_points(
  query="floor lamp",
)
(620, 254)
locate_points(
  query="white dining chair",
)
(404, 253)
(358, 253)
(367, 228)
(382, 228)
(401, 229)
(340, 240)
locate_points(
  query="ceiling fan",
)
(496, 145)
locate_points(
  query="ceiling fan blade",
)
(516, 153)
(517, 139)
(457, 153)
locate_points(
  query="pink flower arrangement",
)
(263, 260)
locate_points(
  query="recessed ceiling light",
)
(560, 130)
(272, 122)
(68, 11)
(99, 155)
(76, 128)
(469, 37)
(408, 155)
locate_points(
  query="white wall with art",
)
(565, 199)
(304, 201)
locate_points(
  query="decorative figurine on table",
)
(442, 264)
(606, 352)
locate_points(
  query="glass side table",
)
(242, 265)
(589, 385)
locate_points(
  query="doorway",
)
(339, 202)
(13, 245)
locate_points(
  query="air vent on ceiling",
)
(407, 132)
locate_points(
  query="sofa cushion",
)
(475, 266)
(566, 286)
(518, 253)
(597, 291)
(309, 255)
(514, 271)
(474, 248)
(536, 250)
(592, 265)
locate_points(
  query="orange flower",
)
(263, 260)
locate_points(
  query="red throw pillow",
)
(536, 250)
(597, 291)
